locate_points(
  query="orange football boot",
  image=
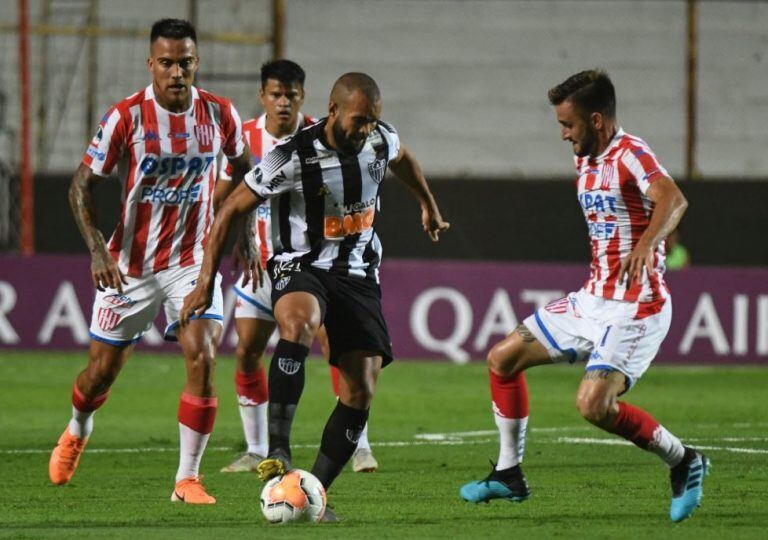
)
(191, 491)
(65, 457)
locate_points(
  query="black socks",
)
(339, 442)
(286, 383)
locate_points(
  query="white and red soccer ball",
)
(295, 496)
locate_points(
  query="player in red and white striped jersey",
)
(281, 95)
(618, 320)
(166, 138)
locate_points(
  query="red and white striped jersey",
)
(611, 190)
(168, 169)
(261, 143)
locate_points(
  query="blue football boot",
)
(507, 484)
(687, 480)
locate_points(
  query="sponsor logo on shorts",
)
(94, 153)
(107, 319)
(353, 435)
(282, 283)
(558, 306)
(119, 300)
(289, 366)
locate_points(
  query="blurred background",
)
(465, 83)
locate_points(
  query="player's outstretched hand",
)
(632, 267)
(106, 274)
(433, 223)
(253, 272)
(195, 303)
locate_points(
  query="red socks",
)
(198, 413)
(335, 379)
(252, 387)
(509, 395)
(83, 404)
(634, 424)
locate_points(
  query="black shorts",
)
(351, 307)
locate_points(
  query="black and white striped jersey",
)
(324, 204)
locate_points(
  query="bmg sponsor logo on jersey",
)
(170, 195)
(358, 217)
(153, 165)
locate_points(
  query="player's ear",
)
(596, 119)
(333, 109)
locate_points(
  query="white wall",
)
(465, 81)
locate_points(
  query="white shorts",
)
(603, 332)
(121, 319)
(254, 305)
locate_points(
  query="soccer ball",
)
(295, 496)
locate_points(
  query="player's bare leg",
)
(89, 392)
(197, 407)
(252, 395)
(507, 361)
(597, 401)
(358, 372)
(363, 460)
(298, 316)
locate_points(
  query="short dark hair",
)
(285, 71)
(591, 91)
(172, 29)
(363, 82)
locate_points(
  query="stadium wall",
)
(498, 220)
(464, 81)
(435, 309)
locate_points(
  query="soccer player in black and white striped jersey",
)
(324, 183)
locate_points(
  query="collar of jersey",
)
(150, 94)
(613, 144)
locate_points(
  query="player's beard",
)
(588, 144)
(344, 144)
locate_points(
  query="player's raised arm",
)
(104, 270)
(669, 206)
(407, 169)
(242, 201)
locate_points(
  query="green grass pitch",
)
(431, 430)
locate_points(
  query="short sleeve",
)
(225, 169)
(643, 166)
(232, 131)
(392, 138)
(107, 145)
(273, 176)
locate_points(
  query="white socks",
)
(362, 442)
(511, 440)
(81, 424)
(254, 418)
(667, 446)
(192, 445)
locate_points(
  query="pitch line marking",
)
(618, 442)
(455, 441)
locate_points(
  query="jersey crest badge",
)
(606, 177)
(376, 169)
(108, 319)
(204, 134)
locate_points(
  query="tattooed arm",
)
(104, 270)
